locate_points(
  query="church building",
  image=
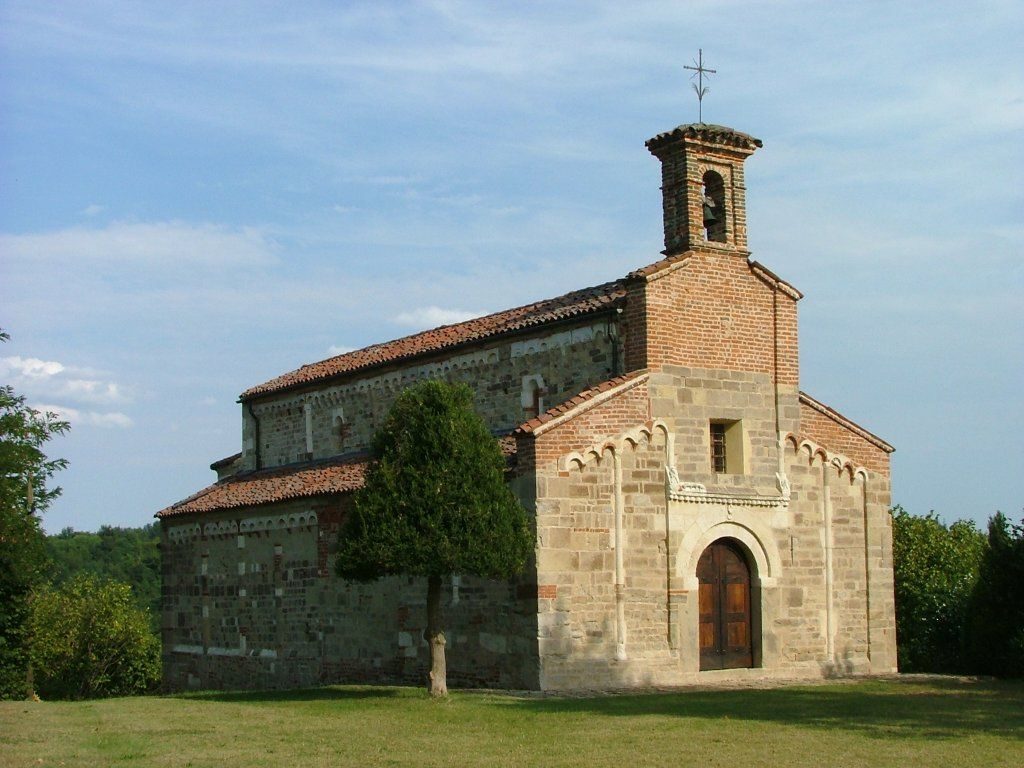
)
(698, 518)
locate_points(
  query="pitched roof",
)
(575, 304)
(268, 486)
(716, 134)
(851, 425)
(563, 409)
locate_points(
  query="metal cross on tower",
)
(699, 71)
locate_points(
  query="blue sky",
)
(196, 197)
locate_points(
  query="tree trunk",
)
(435, 636)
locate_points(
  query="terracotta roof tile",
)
(267, 486)
(717, 134)
(507, 443)
(651, 269)
(577, 303)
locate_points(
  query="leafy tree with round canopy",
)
(434, 504)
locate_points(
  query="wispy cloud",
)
(105, 420)
(334, 350)
(430, 317)
(50, 386)
(167, 245)
(54, 379)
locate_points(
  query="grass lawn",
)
(909, 722)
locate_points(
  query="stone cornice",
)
(696, 493)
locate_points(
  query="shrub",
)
(936, 569)
(89, 640)
(996, 628)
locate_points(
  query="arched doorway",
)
(726, 628)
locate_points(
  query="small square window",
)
(727, 454)
(718, 457)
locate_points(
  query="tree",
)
(24, 494)
(935, 569)
(434, 504)
(90, 640)
(128, 555)
(996, 629)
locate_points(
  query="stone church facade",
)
(698, 518)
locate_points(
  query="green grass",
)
(914, 722)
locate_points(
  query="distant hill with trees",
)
(126, 555)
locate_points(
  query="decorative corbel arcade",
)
(615, 447)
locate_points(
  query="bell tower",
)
(702, 187)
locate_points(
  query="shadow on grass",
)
(330, 693)
(937, 709)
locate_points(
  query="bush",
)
(22, 558)
(996, 628)
(89, 640)
(936, 569)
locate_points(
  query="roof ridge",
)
(543, 311)
(575, 303)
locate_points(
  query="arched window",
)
(714, 207)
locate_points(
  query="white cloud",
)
(92, 391)
(431, 317)
(335, 350)
(106, 420)
(49, 378)
(49, 385)
(93, 210)
(30, 367)
(164, 244)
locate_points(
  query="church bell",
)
(709, 214)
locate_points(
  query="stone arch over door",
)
(727, 610)
(743, 526)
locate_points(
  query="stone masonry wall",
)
(820, 557)
(344, 416)
(250, 601)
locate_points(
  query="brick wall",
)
(840, 438)
(710, 310)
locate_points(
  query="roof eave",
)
(249, 396)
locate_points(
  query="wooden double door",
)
(725, 613)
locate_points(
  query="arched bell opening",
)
(714, 207)
(729, 607)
